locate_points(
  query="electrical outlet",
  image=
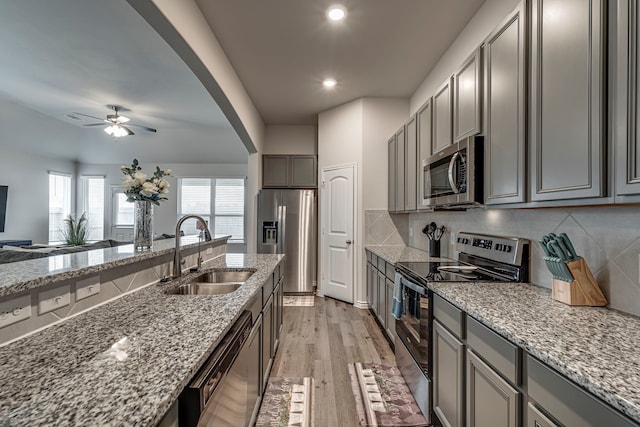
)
(15, 310)
(54, 299)
(87, 287)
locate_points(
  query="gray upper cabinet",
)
(467, 94)
(289, 171)
(505, 112)
(391, 174)
(411, 165)
(401, 144)
(627, 176)
(442, 117)
(567, 85)
(423, 119)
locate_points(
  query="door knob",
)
(349, 242)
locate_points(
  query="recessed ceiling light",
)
(336, 12)
(329, 83)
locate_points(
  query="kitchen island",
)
(596, 348)
(124, 362)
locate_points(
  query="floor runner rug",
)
(298, 301)
(287, 402)
(382, 397)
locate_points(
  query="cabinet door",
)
(304, 172)
(491, 401)
(401, 144)
(535, 418)
(442, 117)
(424, 117)
(374, 287)
(277, 316)
(567, 114)
(370, 285)
(448, 378)
(382, 297)
(411, 166)
(627, 131)
(467, 95)
(504, 111)
(391, 187)
(391, 321)
(267, 340)
(275, 171)
(254, 389)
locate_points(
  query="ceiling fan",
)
(116, 123)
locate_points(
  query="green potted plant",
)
(76, 230)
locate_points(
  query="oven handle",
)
(413, 286)
(452, 181)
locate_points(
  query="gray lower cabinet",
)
(467, 93)
(267, 340)
(382, 297)
(567, 143)
(442, 117)
(423, 120)
(277, 315)
(627, 99)
(391, 321)
(254, 385)
(370, 285)
(401, 145)
(535, 418)
(411, 165)
(565, 402)
(391, 175)
(505, 111)
(491, 401)
(448, 377)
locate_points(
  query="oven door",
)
(413, 343)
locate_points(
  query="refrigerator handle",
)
(282, 213)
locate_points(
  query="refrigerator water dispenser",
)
(269, 232)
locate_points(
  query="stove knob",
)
(498, 247)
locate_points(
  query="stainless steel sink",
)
(213, 283)
(223, 277)
(205, 288)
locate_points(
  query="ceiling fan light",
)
(123, 119)
(116, 131)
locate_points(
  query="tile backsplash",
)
(608, 238)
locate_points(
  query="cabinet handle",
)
(349, 242)
(452, 181)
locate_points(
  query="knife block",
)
(584, 289)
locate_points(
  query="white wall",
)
(382, 117)
(488, 17)
(28, 199)
(293, 139)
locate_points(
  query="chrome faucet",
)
(177, 262)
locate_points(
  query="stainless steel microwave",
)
(452, 177)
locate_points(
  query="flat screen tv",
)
(3, 206)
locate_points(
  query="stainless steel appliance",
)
(482, 258)
(220, 393)
(452, 178)
(287, 224)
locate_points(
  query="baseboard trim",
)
(361, 304)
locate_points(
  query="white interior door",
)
(338, 203)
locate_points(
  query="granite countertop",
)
(25, 275)
(595, 347)
(394, 254)
(125, 362)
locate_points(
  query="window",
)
(93, 205)
(122, 210)
(220, 201)
(59, 205)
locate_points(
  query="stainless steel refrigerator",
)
(287, 224)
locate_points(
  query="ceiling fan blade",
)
(94, 124)
(93, 117)
(129, 131)
(143, 127)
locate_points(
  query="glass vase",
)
(143, 225)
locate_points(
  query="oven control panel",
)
(504, 249)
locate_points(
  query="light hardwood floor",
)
(319, 342)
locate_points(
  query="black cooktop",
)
(447, 271)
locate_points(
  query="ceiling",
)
(283, 49)
(65, 56)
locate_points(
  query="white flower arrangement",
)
(139, 187)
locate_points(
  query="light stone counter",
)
(125, 362)
(394, 254)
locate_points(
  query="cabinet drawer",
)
(500, 353)
(535, 418)
(255, 306)
(381, 264)
(449, 315)
(391, 271)
(568, 403)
